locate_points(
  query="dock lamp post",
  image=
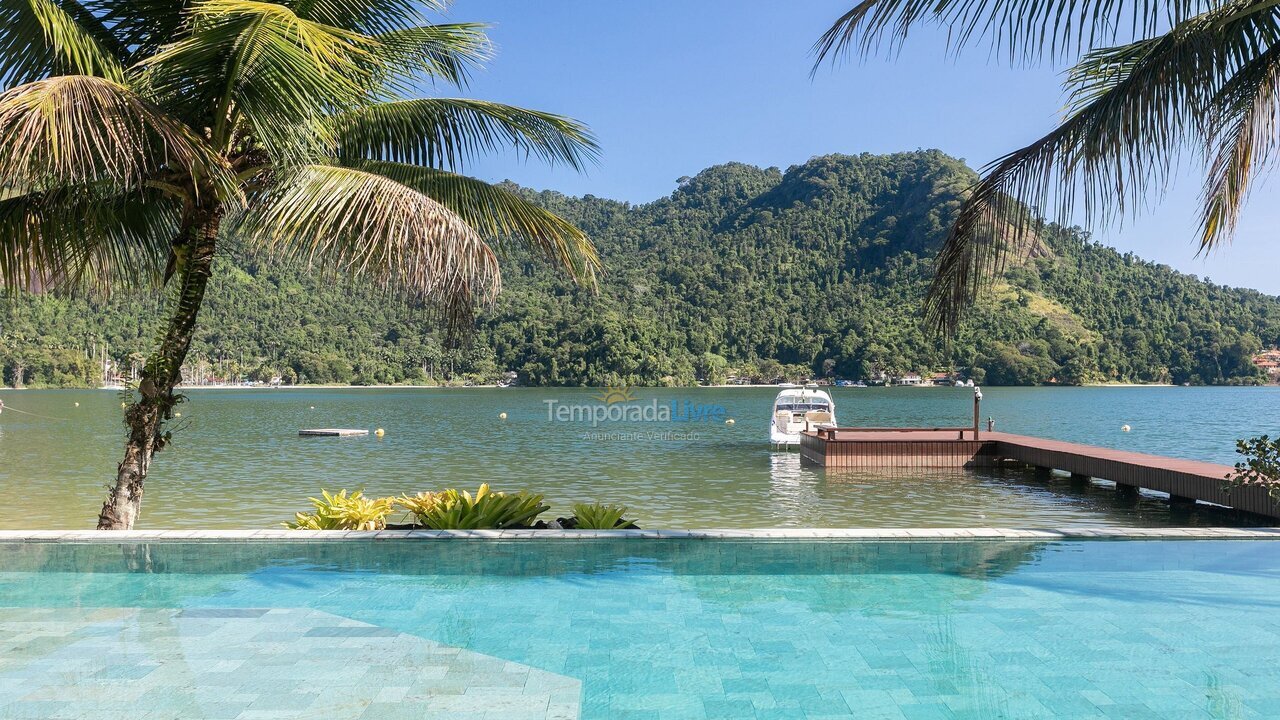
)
(977, 410)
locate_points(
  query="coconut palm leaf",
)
(498, 213)
(81, 130)
(43, 37)
(1243, 145)
(445, 132)
(1134, 108)
(371, 17)
(1018, 30)
(282, 74)
(361, 222)
(85, 237)
(143, 27)
(446, 52)
(408, 44)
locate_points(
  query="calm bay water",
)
(237, 460)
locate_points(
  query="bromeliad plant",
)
(1261, 466)
(340, 511)
(138, 135)
(596, 516)
(459, 510)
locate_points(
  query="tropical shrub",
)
(341, 511)
(1261, 466)
(459, 510)
(595, 516)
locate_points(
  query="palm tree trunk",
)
(146, 417)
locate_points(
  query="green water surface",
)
(237, 460)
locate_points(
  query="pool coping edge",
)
(869, 534)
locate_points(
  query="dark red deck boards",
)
(929, 448)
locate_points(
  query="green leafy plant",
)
(1261, 466)
(487, 509)
(595, 516)
(340, 511)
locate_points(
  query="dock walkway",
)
(1183, 480)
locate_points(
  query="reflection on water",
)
(793, 487)
(238, 461)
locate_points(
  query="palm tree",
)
(138, 133)
(1151, 82)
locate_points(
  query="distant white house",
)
(910, 379)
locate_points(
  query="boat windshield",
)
(803, 407)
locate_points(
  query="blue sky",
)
(673, 86)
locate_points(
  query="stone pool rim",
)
(847, 534)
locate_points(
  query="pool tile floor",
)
(254, 664)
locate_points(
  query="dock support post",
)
(1080, 479)
(1181, 500)
(1126, 491)
(1044, 473)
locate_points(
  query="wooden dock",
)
(1183, 480)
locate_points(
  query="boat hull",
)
(796, 410)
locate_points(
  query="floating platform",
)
(332, 432)
(1183, 480)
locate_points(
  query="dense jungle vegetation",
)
(818, 271)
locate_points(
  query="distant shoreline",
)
(1141, 385)
(329, 386)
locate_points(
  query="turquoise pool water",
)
(641, 629)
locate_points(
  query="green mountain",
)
(819, 270)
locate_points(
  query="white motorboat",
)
(796, 410)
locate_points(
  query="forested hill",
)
(822, 269)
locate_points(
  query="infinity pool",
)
(641, 629)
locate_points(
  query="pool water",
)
(641, 629)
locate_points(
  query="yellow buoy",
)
(177, 414)
(1125, 428)
(77, 404)
(124, 404)
(502, 416)
(729, 421)
(313, 407)
(379, 432)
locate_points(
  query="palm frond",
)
(85, 237)
(81, 130)
(499, 214)
(445, 132)
(1134, 109)
(43, 37)
(446, 52)
(1244, 141)
(281, 73)
(371, 17)
(1018, 30)
(143, 27)
(361, 222)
